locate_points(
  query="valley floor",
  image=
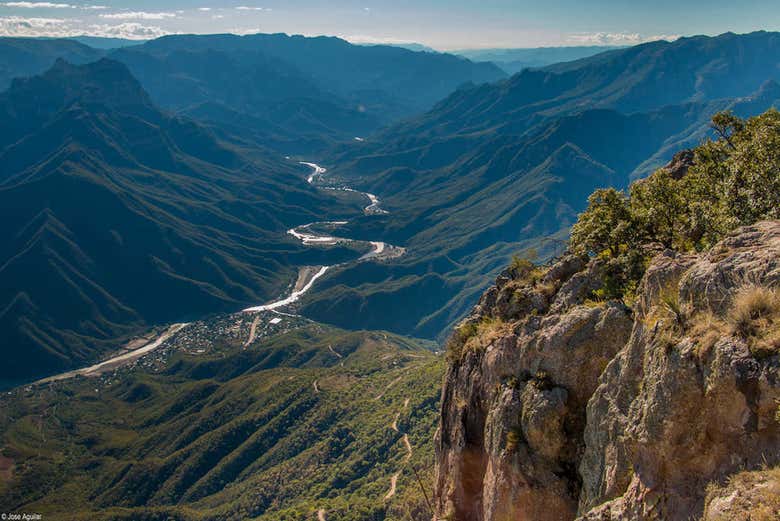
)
(205, 425)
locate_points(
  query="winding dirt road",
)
(393, 485)
(252, 332)
(409, 452)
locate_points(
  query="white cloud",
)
(67, 27)
(21, 26)
(138, 15)
(50, 5)
(606, 38)
(250, 8)
(374, 40)
(246, 31)
(38, 5)
(127, 30)
(204, 9)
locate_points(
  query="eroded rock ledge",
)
(559, 406)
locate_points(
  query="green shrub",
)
(523, 267)
(734, 181)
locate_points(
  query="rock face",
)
(557, 406)
(513, 413)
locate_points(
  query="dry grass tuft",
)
(705, 329)
(755, 316)
(489, 330)
(476, 336)
(752, 496)
(670, 303)
(513, 439)
(670, 316)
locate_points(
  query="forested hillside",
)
(497, 169)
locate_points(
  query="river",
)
(308, 237)
(307, 277)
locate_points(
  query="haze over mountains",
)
(293, 93)
(26, 56)
(515, 60)
(494, 169)
(134, 230)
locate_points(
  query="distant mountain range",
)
(21, 57)
(496, 169)
(115, 215)
(515, 60)
(292, 93)
(296, 90)
(99, 42)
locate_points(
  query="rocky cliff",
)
(559, 404)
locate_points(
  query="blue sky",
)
(443, 24)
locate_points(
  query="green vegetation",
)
(523, 267)
(496, 169)
(732, 181)
(298, 422)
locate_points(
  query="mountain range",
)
(116, 215)
(162, 183)
(108, 198)
(497, 169)
(293, 93)
(20, 57)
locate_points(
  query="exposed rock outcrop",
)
(557, 406)
(513, 412)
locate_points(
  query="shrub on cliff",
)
(727, 182)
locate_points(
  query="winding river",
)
(307, 276)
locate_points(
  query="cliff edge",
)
(560, 403)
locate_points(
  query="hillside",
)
(217, 424)
(294, 93)
(636, 376)
(116, 216)
(398, 81)
(27, 56)
(497, 169)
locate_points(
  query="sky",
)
(441, 24)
